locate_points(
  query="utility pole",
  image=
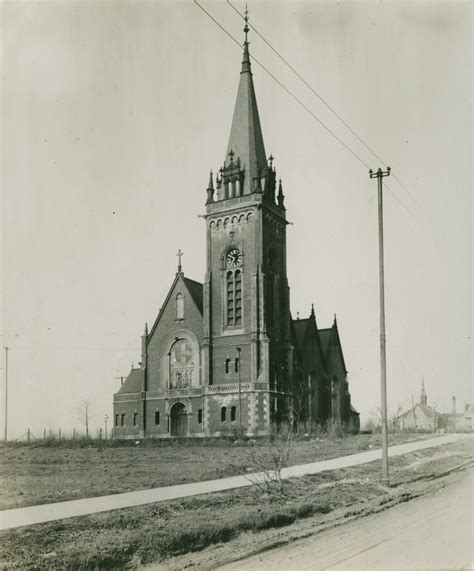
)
(106, 418)
(379, 175)
(6, 394)
(240, 395)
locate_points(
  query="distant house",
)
(469, 417)
(419, 417)
(422, 417)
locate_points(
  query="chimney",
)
(454, 405)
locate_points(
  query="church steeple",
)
(246, 139)
(423, 397)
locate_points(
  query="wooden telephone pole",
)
(379, 175)
(6, 394)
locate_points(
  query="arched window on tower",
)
(227, 365)
(180, 306)
(233, 288)
(223, 414)
(237, 365)
(230, 298)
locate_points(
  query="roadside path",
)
(431, 532)
(18, 517)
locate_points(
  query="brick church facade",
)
(225, 355)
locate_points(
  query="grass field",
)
(135, 536)
(38, 473)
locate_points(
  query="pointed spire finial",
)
(246, 27)
(281, 196)
(297, 315)
(246, 60)
(210, 189)
(146, 329)
(335, 320)
(312, 309)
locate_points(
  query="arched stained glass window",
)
(181, 364)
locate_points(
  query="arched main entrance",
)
(179, 420)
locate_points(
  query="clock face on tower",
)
(234, 258)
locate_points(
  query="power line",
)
(285, 88)
(323, 101)
(293, 96)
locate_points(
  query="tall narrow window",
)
(238, 297)
(122, 420)
(116, 420)
(135, 419)
(232, 413)
(237, 365)
(200, 416)
(223, 413)
(233, 288)
(230, 298)
(227, 365)
(157, 417)
(180, 306)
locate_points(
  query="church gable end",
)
(180, 317)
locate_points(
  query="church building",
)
(225, 356)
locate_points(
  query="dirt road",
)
(432, 532)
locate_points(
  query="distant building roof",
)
(133, 383)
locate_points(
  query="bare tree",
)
(84, 414)
(393, 417)
(269, 460)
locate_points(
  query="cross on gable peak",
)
(180, 255)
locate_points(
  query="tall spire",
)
(423, 397)
(246, 139)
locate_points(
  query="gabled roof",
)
(300, 326)
(246, 139)
(330, 340)
(133, 383)
(425, 409)
(308, 344)
(195, 290)
(324, 336)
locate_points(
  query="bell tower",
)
(246, 337)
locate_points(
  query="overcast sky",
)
(113, 113)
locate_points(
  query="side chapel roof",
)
(133, 383)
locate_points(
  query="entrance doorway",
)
(179, 420)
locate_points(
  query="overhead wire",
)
(323, 101)
(293, 96)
